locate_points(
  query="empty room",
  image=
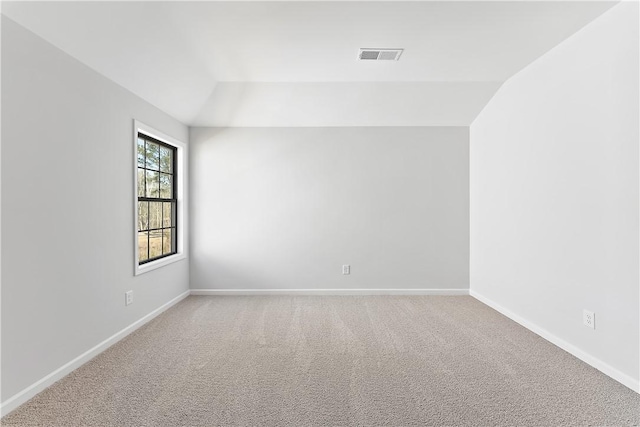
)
(320, 213)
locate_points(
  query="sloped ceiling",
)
(294, 63)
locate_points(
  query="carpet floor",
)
(332, 360)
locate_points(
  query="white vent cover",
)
(379, 54)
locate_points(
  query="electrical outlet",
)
(346, 269)
(589, 319)
(128, 297)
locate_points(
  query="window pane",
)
(153, 184)
(167, 241)
(141, 179)
(143, 216)
(140, 152)
(166, 187)
(166, 159)
(155, 243)
(155, 215)
(153, 155)
(142, 246)
(168, 220)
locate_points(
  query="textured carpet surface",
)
(325, 360)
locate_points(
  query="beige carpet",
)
(308, 360)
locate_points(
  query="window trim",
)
(181, 190)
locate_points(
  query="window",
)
(158, 204)
(156, 199)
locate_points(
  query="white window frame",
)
(181, 209)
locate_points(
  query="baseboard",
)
(21, 397)
(329, 292)
(603, 367)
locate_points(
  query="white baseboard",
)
(21, 397)
(603, 367)
(329, 292)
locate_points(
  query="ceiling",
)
(294, 63)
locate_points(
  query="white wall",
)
(336, 104)
(67, 210)
(554, 194)
(284, 208)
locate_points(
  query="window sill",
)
(153, 265)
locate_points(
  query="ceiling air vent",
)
(379, 54)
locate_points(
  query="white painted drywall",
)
(301, 51)
(344, 104)
(67, 210)
(554, 192)
(285, 208)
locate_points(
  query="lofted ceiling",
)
(294, 63)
